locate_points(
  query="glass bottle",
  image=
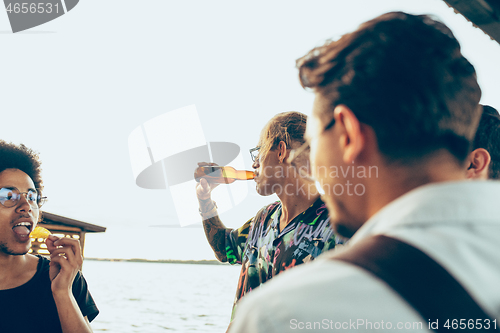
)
(222, 174)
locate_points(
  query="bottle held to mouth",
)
(222, 174)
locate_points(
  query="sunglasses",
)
(10, 197)
(254, 153)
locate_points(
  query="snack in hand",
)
(40, 232)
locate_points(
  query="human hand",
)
(203, 187)
(65, 262)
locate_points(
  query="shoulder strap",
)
(422, 282)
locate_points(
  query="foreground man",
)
(396, 94)
(36, 295)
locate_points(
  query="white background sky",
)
(73, 89)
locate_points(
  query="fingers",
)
(203, 189)
(211, 186)
(63, 269)
(63, 257)
(68, 246)
(50, 242)
(207, 164)
(203, 186)
(74, 244)
(67, 253)
(63, 252)
(66, 258)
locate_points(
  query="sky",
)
(74, 89)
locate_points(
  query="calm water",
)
(153, 297)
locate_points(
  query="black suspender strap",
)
(422, 282)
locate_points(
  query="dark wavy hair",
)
(404, 76)
(23, 158)
(488, 137)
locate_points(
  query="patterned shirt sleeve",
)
(235, 242)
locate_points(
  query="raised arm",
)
(215, 230)
(65, 262)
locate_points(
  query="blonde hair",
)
(288, 127)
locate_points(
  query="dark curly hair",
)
(488, 137)
(404, 76)
(22, 158)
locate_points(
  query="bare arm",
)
(215, 230)
(72, 320)
(66, 261)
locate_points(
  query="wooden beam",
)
(56, 227)
(483, 14)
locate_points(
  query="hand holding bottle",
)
(221, 174)
(210, 175)
(203, 187)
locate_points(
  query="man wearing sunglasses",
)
(484, 160)
(423, 252)
(56, 287)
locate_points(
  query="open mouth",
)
(23, 228)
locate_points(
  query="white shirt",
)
(455, 223)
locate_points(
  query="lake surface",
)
(159, 297)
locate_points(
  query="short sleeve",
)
(235, 242)
(236, 239)
(84, 298)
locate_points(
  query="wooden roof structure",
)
(484, 14)
(63, 227)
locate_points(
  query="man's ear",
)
(352, 140)
(281, 151)
(479, 163)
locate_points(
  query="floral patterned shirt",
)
(264, 252)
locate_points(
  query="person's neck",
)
(295, 201)
(396, 180)
(13, 268)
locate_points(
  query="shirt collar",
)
(317, 207)
(438, 203)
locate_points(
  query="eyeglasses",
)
(254, 153)
(305, 171)
(10, 197)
